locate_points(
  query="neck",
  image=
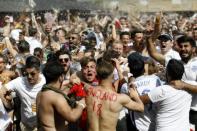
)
(163, 52)
(107, 84)
(55, 84)
(67, 73)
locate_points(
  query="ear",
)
(193, 50)
(172, 43)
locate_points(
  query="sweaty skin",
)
(104, 105)
(53, 111)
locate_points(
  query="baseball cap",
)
(165, 37)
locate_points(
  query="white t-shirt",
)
(172, 108)
(171, 54)
(145, 120)
(5, 120)
(27, 94)
(194, 97)
(190, 70)
(191, 75)
(15, 34)
(33, 43)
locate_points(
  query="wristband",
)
(81, 104)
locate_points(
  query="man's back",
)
(103, 109)
(52, 106)
(144, 121)
(172, 108)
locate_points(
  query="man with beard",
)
(26, 89)
(53, 106)
(65, 59)
(187, 47)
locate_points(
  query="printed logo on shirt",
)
(194, 68)
(145, 91)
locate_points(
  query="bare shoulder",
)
(49, 96)
(123, 98)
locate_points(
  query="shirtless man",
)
(104, 104)
(52, 106)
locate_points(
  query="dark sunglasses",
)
(63, 59)
(38, 55)
(31, 73)
(72, 38)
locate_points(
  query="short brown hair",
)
(104, 69)
(85, 60)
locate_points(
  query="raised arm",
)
(151, 42)
(10, 47)
(120, 74)
(153, 51)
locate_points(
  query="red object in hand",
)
(117, 24)
(78, 90)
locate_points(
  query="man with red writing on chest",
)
(104, 104)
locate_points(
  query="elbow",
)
(74, 118)
(141, 108)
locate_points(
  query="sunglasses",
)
(64, 59)
(31, 74)
(38, 55)
(72, 38)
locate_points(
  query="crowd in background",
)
(139, 48)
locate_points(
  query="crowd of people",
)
(60, 71)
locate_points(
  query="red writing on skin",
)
(97, 108)
(102, 95)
